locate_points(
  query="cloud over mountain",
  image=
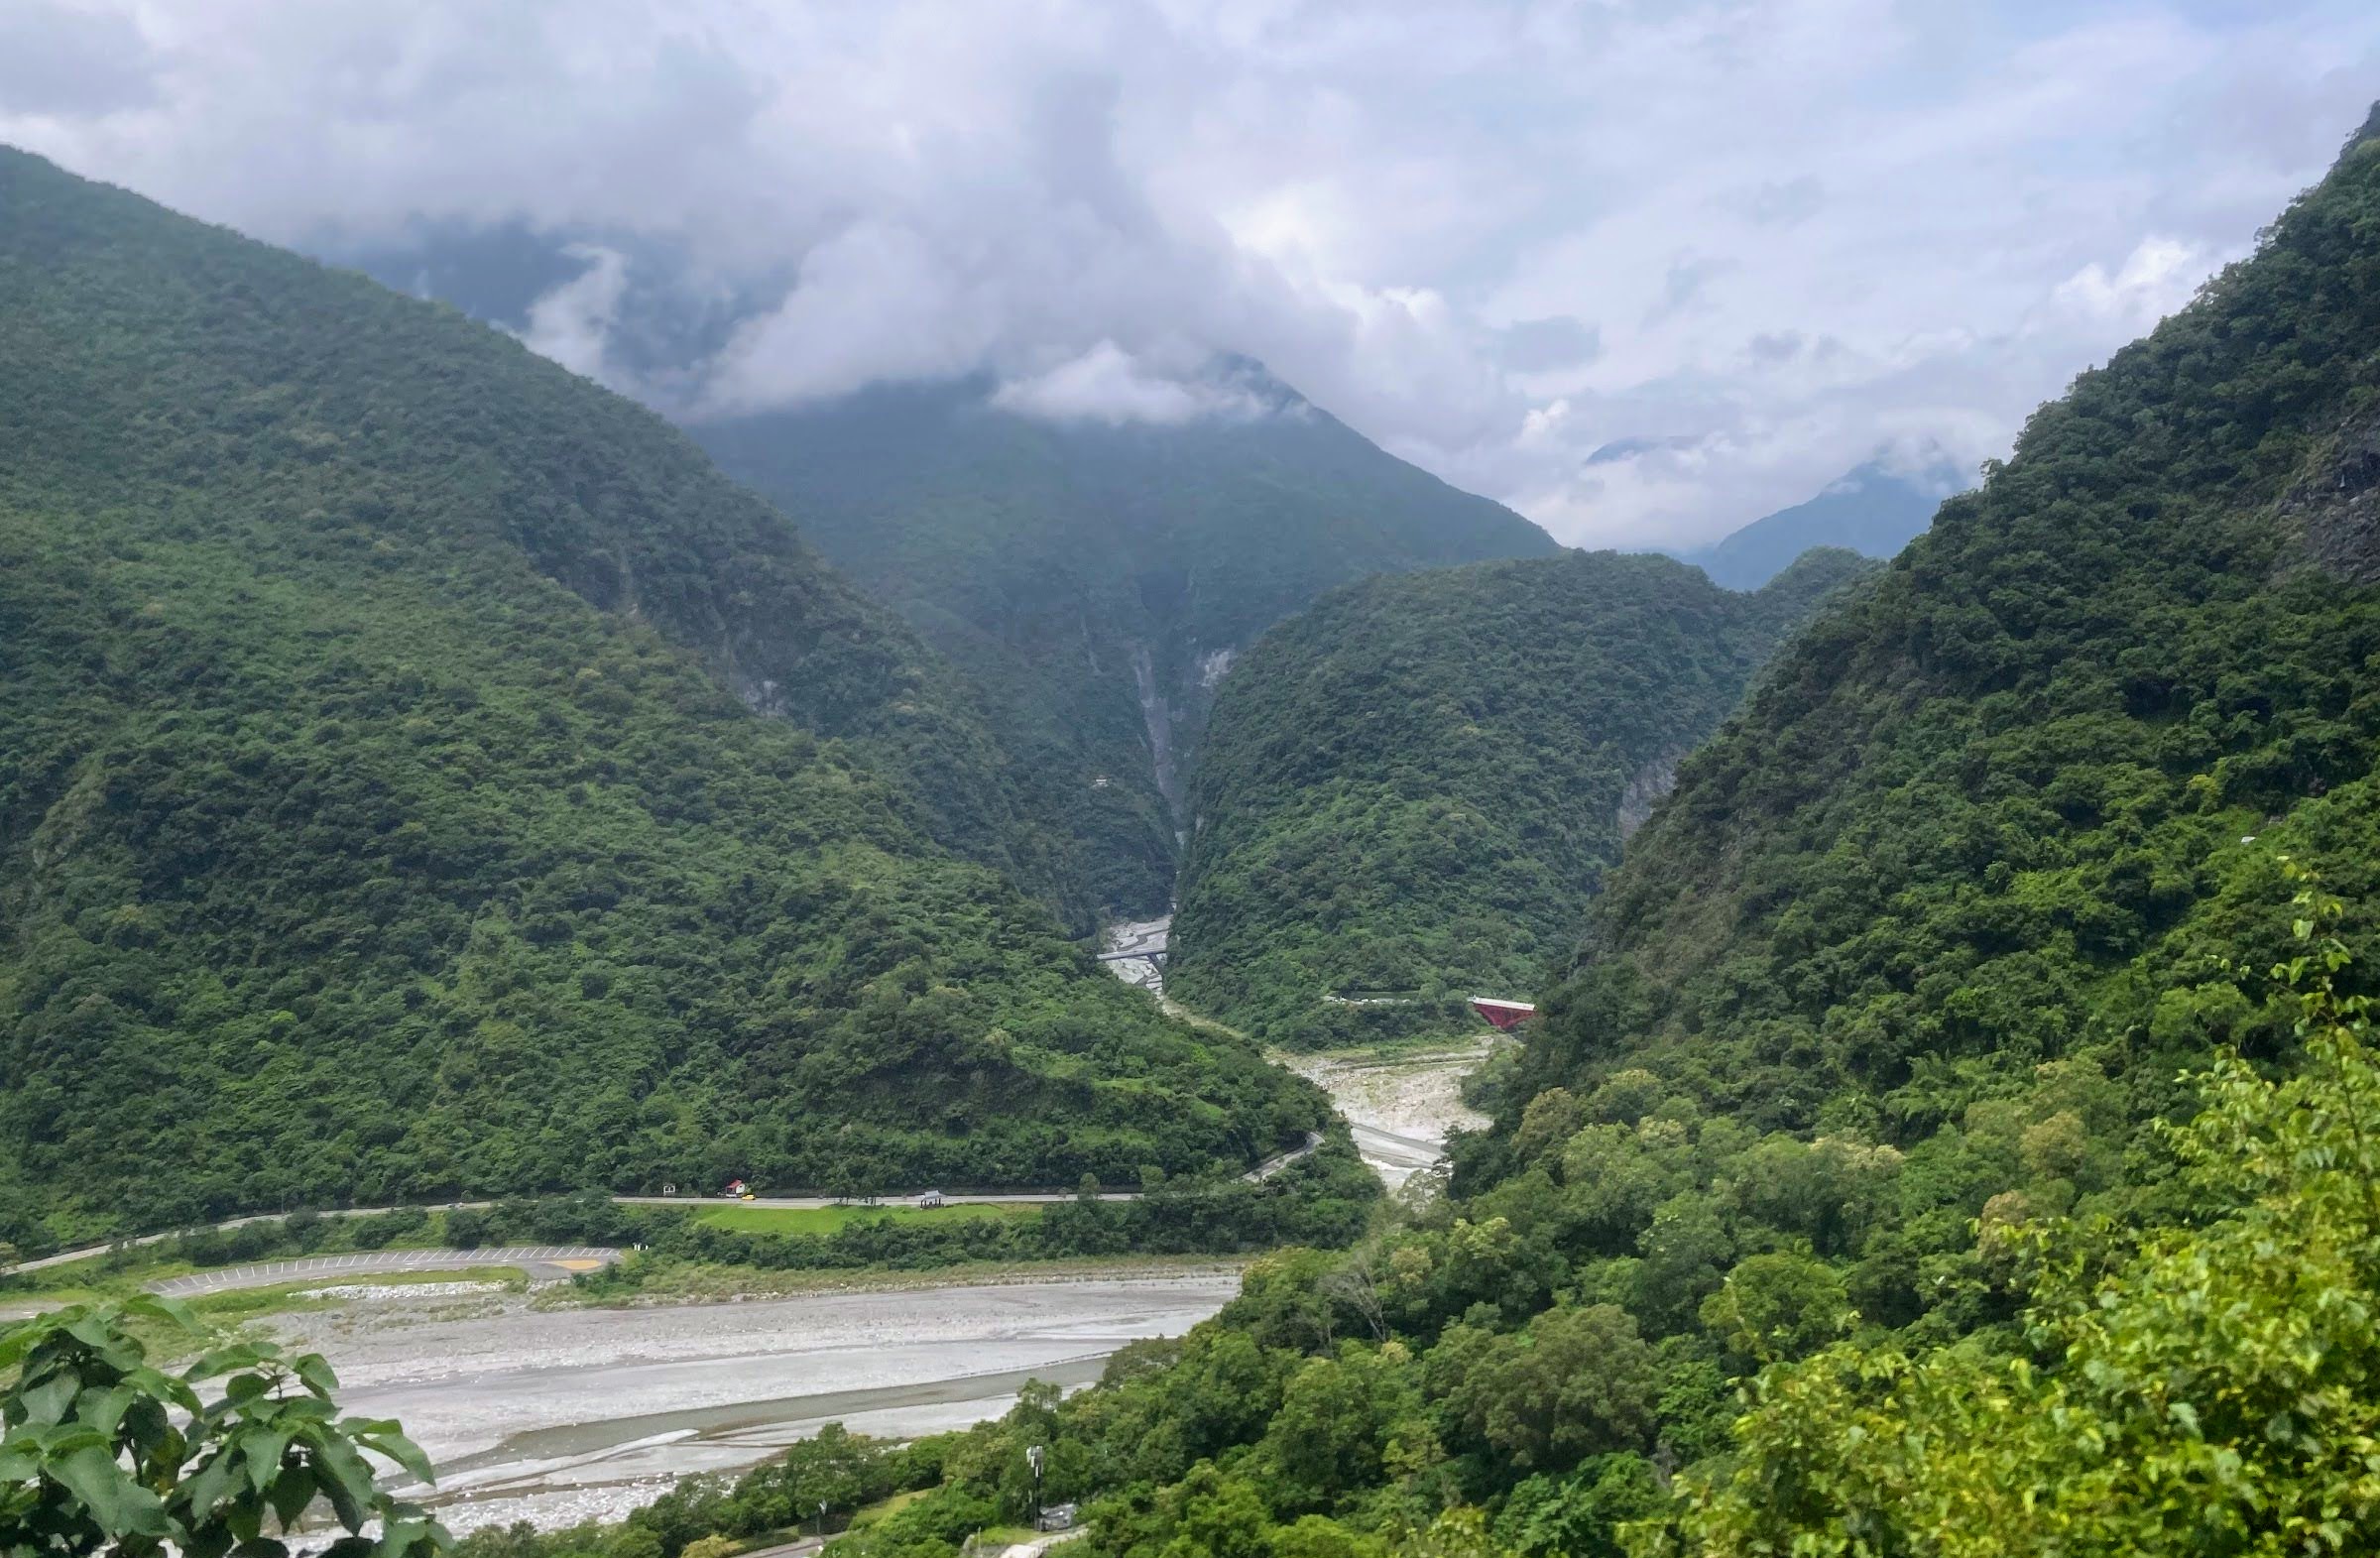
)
(1764, 238)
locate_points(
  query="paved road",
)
(880, 1203)
(800, 1549)
(1274, 1164)
(546, 1263)
(1042, 1544)
(1262, 1171)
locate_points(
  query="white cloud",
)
(1108, 385)
(1750, 241)
(574, 324)
(877, 301)
(2155, 279)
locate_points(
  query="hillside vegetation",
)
(1412, 788)
(1868, 1095)
(1094, 580)
(1997, 810)
(385, 812)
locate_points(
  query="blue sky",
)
(1750, 243)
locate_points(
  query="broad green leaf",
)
(261, 1451)
(389, 1441)
(317, 1374)
(120, 1506)
(49, 1400)
(293, 1489)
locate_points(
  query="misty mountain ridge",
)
(1096, 578)
(1092, 537)
(1874, 509)
(643, 316)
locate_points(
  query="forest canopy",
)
(1956, 1137)
(421, 774)
(1411, 789)
(1094, 581)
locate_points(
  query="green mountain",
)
(422, 772)
(1873, 511)
(1410, 790)
(1096, 580)
(1992, 814)
(1862, 1085)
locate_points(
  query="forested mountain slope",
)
(1412, 788)
(1987, 816)
(1095, 579)
(1868, 1055)
(384, 811)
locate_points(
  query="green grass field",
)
(828, 1219)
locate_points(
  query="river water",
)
(560, 1416)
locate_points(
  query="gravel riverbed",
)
(555, 1416)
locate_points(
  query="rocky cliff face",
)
(2335, 510)
(1647, 787)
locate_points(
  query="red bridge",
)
(1507, 1014)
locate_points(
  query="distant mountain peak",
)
(1089, 572)
(1874, 509)
(1643, 443)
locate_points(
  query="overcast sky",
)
(1750, 243)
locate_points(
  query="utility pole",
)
(1034, 1457)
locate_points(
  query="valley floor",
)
(1403, 1101)
(1135, 950)
(560, 1416)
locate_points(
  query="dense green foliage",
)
(1865, 1088)
(819, 1482)
(100, 1450)
(1094, 580)
(1989, 815)
(2211, 1388)
(377, 819)
(2207, 1387)
(1326, 1199)
(1410, 790)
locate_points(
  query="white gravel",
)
(1403, 1105)
(385, 1292)
(556, 1416)
(1145, 938)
